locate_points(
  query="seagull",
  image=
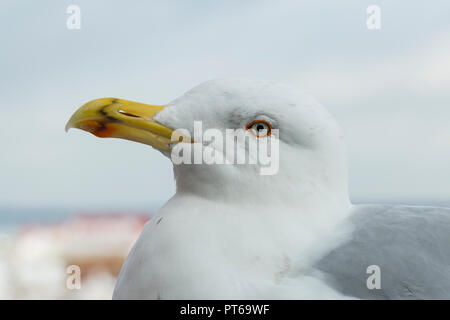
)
(230, 232)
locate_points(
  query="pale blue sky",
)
(389, 89)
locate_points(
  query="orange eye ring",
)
(252, 127)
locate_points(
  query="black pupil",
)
(260, 127)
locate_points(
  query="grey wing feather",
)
(411, 246)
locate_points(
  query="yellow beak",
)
(117, 118)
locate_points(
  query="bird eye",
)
(260, 128)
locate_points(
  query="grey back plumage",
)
(410, 245)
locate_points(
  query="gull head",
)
(239, 139)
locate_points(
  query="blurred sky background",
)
(389, 89)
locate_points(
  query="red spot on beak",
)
(99, 129)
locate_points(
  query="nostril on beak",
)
(128, 114)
